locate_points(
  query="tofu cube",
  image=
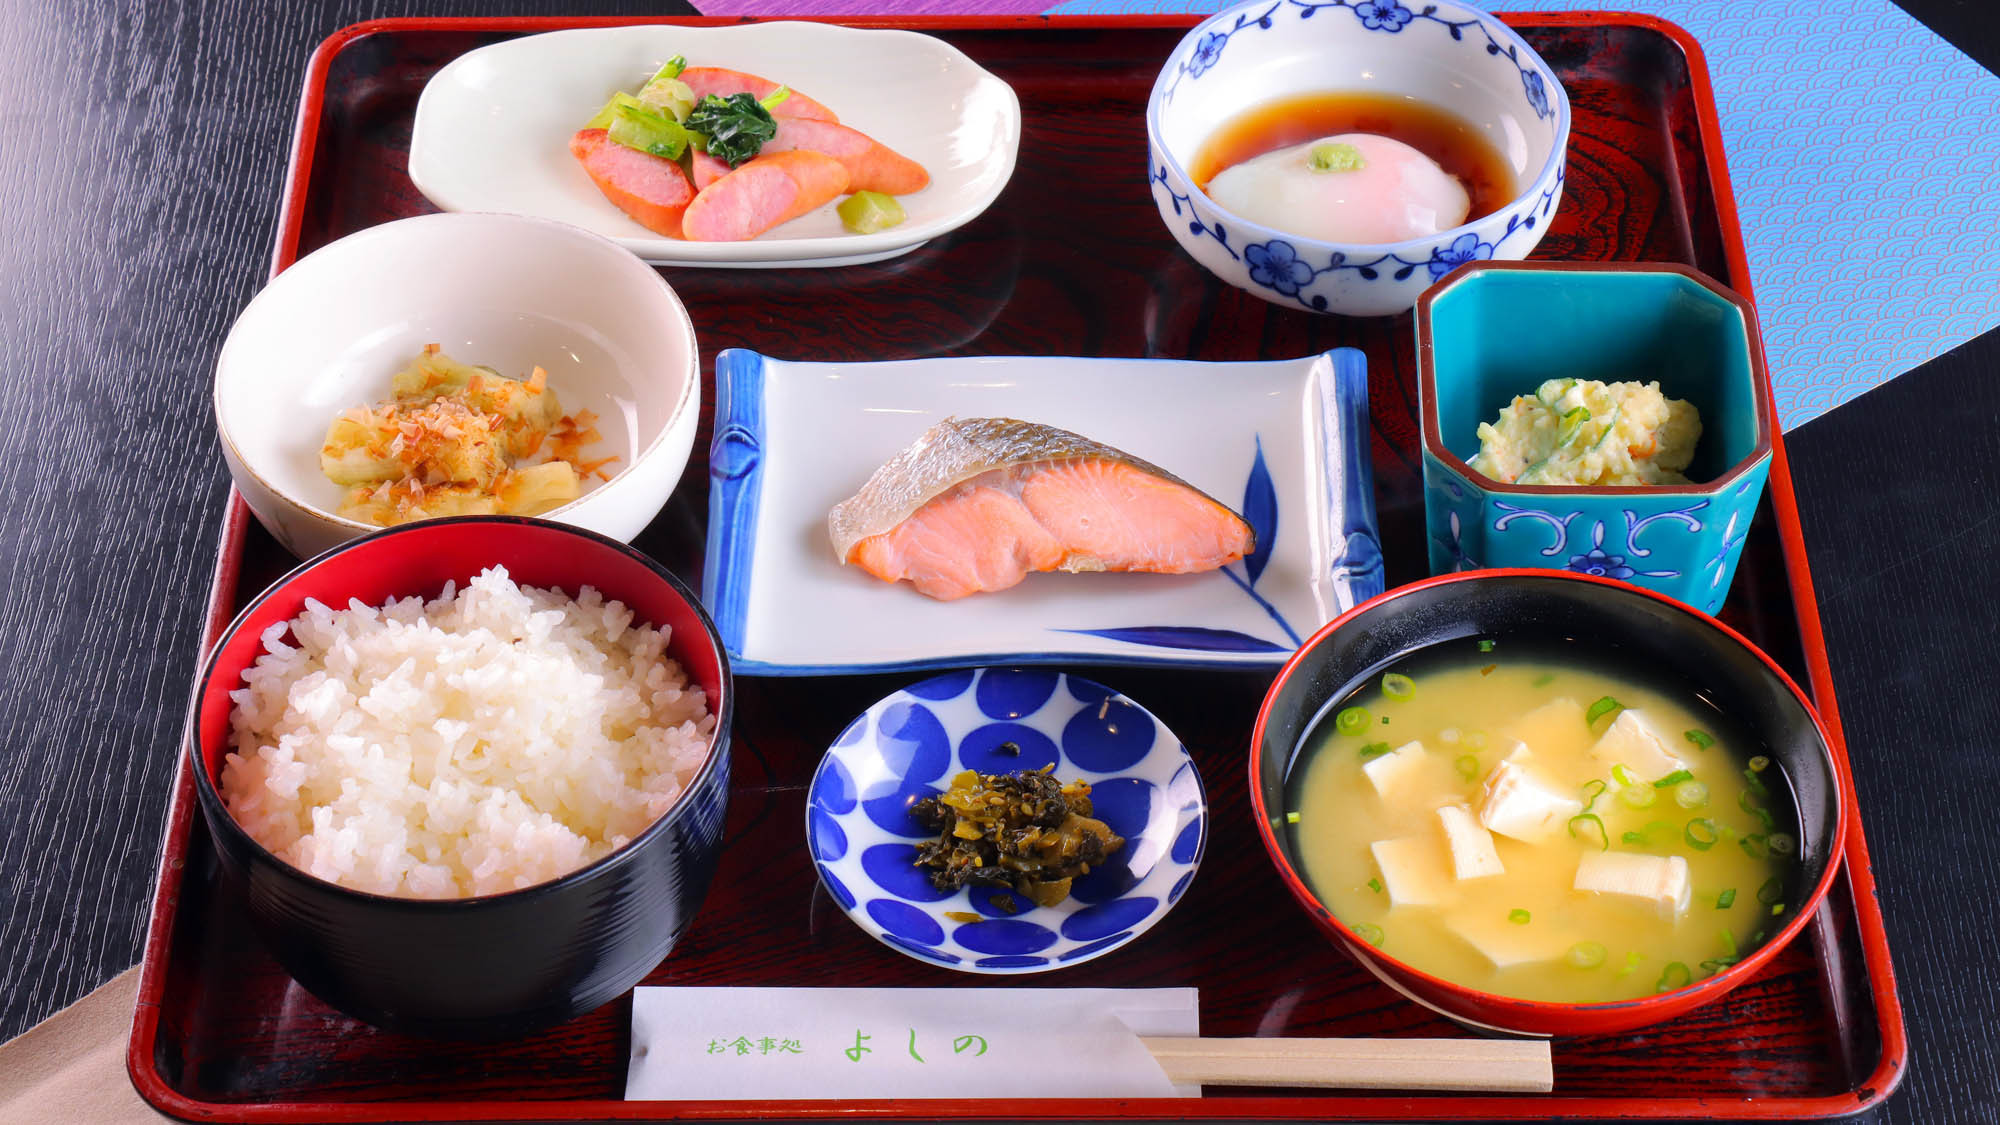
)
(1655, 882)
(1470, 844)
(1396, 769)
(1517, 804)
(1520, 753)
(1506, 944)
(1556, 727)
(1414, 870)
(1632, 741)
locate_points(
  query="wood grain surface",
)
(141, 161)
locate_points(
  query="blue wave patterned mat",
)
(1865, 154)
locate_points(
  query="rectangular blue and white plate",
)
(1285, 442)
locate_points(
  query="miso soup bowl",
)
(1597, 616)
(1495, 330)
(499, 965)
(1440, 53)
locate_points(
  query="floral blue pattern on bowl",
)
(1495, 331)
(1255, 52)
(909, 745)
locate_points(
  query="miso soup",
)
(1525, 821)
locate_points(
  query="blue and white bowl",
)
(909, 746)
(1441, 53)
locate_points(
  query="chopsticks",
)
(1506, 1065)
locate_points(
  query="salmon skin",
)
(978, 503)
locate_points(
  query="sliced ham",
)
(706, 80)
(651, 189)
(771, 189)
(871, 165)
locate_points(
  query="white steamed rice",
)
(496, 737)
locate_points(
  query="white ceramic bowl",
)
(1441, 53)
(505, 291)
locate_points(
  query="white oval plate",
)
(492, 129)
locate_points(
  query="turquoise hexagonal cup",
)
(1494, 330)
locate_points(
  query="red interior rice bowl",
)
(489, 739)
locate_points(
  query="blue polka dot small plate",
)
(909, 745)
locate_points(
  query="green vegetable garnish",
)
(1631, 962)
(1759, 764)
(1518, 916)
(866, 212)
(1638, 796)
(1486, 646)
(1701, 738)
(1335, 158)
(1675, 975)
(1728, 943)
(1633, 838)
(1756, 783)
(1593, 794)
(1467, 766)
(1586, 955)
(1545, 679)
(1291, 818)
(1772, 891)
(1603, 836)
(1624, 776)
(736, 126)
(1754, 847)
(1601, 708)
(1781, 843)
(1375, 885)
(1691, 794)
(1747, 801)
(1395, 685)
(635, 125)
(1673, 779)
(1571, 424)
(1777, 908)
(1353, 720)
(1368, 933)
(1374, 750)
(1700, 835)
(1715, 965)
(1727, 899)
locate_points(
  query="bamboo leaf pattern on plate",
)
(1260, 511)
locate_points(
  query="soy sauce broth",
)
(1470, 704)
(1455, 143)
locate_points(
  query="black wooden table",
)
(141, 160)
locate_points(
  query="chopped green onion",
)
(1759, 764)
(1701, 738)
(1352, 720)
(1545, 679)
(1571, 422)
(1676, 975)
(1638, 796)
(1673, 779)
(1467, 766)
(1375, 885)
(1335, 158)
(1691, 794)
(1291, 818)
(1781, 843)
(869, 212)
(1374, 750)
(1385, 720)
(1727, 899)
(1518, 916)
(1754, 847)
(1368, 933)
(1631, 962)
(1633, 838)
(1593, 794)
(1715, 965)
(1728, 942)
(1755, 938)
(1486, 646)
(1624, 776)
(1772, 891)
(1603, 836)
(1700, 835)
(1601, 708)
(1777, 908)
(1756, 783)
(1586, 954)
(1726, 832)
(1395, 685)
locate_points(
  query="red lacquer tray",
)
(1073, 260)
